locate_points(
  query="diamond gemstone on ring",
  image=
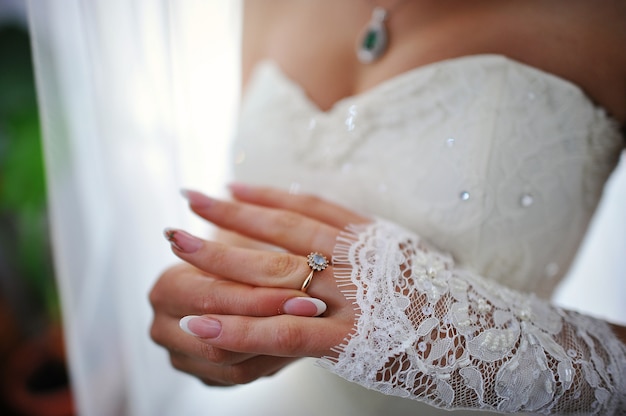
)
(317, 261)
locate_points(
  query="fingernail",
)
(238, 188)
(197, 199)
(182, 240)
(200, 327)
(303, 306)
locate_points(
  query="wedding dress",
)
(495, 163)
(493, 169)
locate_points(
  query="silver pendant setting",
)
(374, 39)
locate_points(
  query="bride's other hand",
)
(183, 289)
(298, 224)
(240, 303)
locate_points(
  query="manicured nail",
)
(200, 327)
(239, 188)
(182, 240)
(197, 199)
(303, 306)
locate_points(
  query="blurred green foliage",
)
(24, 236)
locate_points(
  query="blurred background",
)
(33, 378)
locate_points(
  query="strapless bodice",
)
(496, 162)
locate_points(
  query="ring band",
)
(317, 262)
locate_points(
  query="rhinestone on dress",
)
(350, 119)
(450, 141)
(526, 200)
(464, 196)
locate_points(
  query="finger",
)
(282, 336)
(292, 231)
(261, 269)
(184, 290)
(308, 205)
(190, 354)
(165, 331)
(241, 373)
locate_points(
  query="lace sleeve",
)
(432, 332)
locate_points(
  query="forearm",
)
(437, 333)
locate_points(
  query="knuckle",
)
(207, 300)
(213, 298)
(154, 297)
(242, 374)
(203, 303)
(317, 238)
(289, 338)
(177, 362)
(310, 201)
(160, 292)
(157, 294)
(286, 221)
(282, 265)
(157, 334)
(212, 354)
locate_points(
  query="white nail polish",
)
(319, 304)
(301, 306)
(184, 324)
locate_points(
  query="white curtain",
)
(137, 100)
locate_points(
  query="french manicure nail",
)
(304, 306)
(197, 199)
(182, 240)
(200, 326)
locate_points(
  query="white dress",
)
(136, 96)
(494, 162)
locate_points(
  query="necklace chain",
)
(388, 10)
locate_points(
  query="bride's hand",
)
(235, 301)
(183, 289)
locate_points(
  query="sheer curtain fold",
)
(137, 100)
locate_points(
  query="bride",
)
(445, 171)
(473, 125)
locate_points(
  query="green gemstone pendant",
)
(373, 42)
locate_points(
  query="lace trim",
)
(431, 332)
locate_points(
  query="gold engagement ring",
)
(317, 262)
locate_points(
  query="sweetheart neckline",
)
(401, 78)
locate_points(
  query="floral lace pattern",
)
(429, 331)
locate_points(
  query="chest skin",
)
(314, 42)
